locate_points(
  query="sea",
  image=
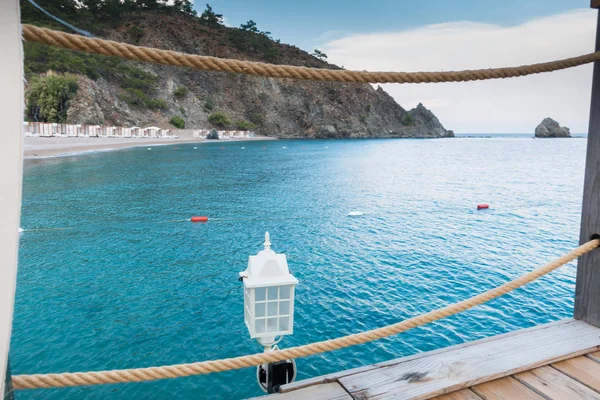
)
(112, 274)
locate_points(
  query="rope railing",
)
(167, 57)
(206, 367)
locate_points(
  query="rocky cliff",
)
(549, 128)
(126, 93)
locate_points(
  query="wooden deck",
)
(553, 361)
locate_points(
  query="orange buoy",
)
(482, 206)
(199, 219)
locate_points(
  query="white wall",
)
(11, 165)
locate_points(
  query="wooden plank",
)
(595, 3)
(428, 376)
(505, 388)
(555, 385)
(581, 369)
(464, 394)
(317, 380)
(11, 165)
(587, 295)
(326, 391)
(594, 356)
(333, 377)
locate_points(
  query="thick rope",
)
(166, 57)
(206, 367)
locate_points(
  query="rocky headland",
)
(111, 91)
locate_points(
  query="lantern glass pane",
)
(284, 307)
(284, 292)
(272, 308)
(284, 323)
(271, 325)
(259, 294)
(272, 293)
(260, 326)
(259, 310)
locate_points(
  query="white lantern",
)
(268, 295)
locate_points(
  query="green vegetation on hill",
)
(219, 119)
(177, 122)
(211, 18)
(138, 86)
(157, 104)
(319, 54)
(248, 39)
(48, 98)
(208, 106)
(180, 92)
(40, 58)
(244, 125)
(96, 14)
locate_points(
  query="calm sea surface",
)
(124, 286)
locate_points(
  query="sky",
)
(434, 35)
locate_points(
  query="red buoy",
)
(482, 206)
(201, 218)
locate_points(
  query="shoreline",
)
(37, 148)
(42, 147)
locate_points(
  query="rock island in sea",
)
(549, 128)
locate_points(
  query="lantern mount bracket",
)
(270, 345)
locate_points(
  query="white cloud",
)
(503, 106)
(227, 23)
(330, 35)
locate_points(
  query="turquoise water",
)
(124, 287)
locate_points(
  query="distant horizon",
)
(508, 133)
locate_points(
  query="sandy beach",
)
(39, 147)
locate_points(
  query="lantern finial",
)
(267, 241)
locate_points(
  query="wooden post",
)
(9, 393)
(11, 165)
(587, 289)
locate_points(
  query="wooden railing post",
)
(587, 289)
(9, 393)
(11, 165)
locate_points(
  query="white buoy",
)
(149, 148)
(195, 148)
(355, 213)
(243, 148)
